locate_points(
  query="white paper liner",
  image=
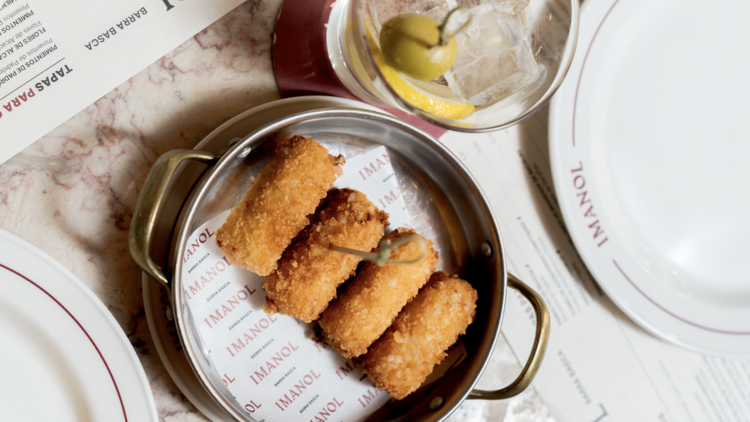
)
(269, 362)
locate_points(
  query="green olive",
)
(410, 44)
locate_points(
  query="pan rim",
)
(264, 132)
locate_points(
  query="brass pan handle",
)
(537, 351)
(144, 217)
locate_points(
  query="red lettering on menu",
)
(251, 334)
(367, 397)
(228, 307)
(579, 182)
(19, 100)
(373, 167)
(196, 243)
(265, 369)
(227, 379)
(252, 407)
(343, 371)
(389, 198)
(296, 390)
(329, 408)
(206, 278)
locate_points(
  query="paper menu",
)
(371, 173)
(58, 57)
(599, 365)
(269, 362)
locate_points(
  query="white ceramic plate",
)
(651, 161)
(63, 357)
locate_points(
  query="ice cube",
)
(495, 58)
(511, 7)
(380, 11)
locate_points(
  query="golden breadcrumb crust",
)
(377, 294)
(309, 272)
(298, 174)
(418, 339)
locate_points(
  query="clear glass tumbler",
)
(512, 57)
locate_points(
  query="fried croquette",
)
(418, 339)
(274, 210)
(367, 307)
(309, 272)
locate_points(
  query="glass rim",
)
(562, 71)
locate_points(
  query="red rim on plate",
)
(653, 303)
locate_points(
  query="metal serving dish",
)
(443, 198)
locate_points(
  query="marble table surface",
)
(72, 193)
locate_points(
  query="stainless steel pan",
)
(442, 197)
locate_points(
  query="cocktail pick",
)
(386, 246)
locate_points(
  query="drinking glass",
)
(512, 57)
